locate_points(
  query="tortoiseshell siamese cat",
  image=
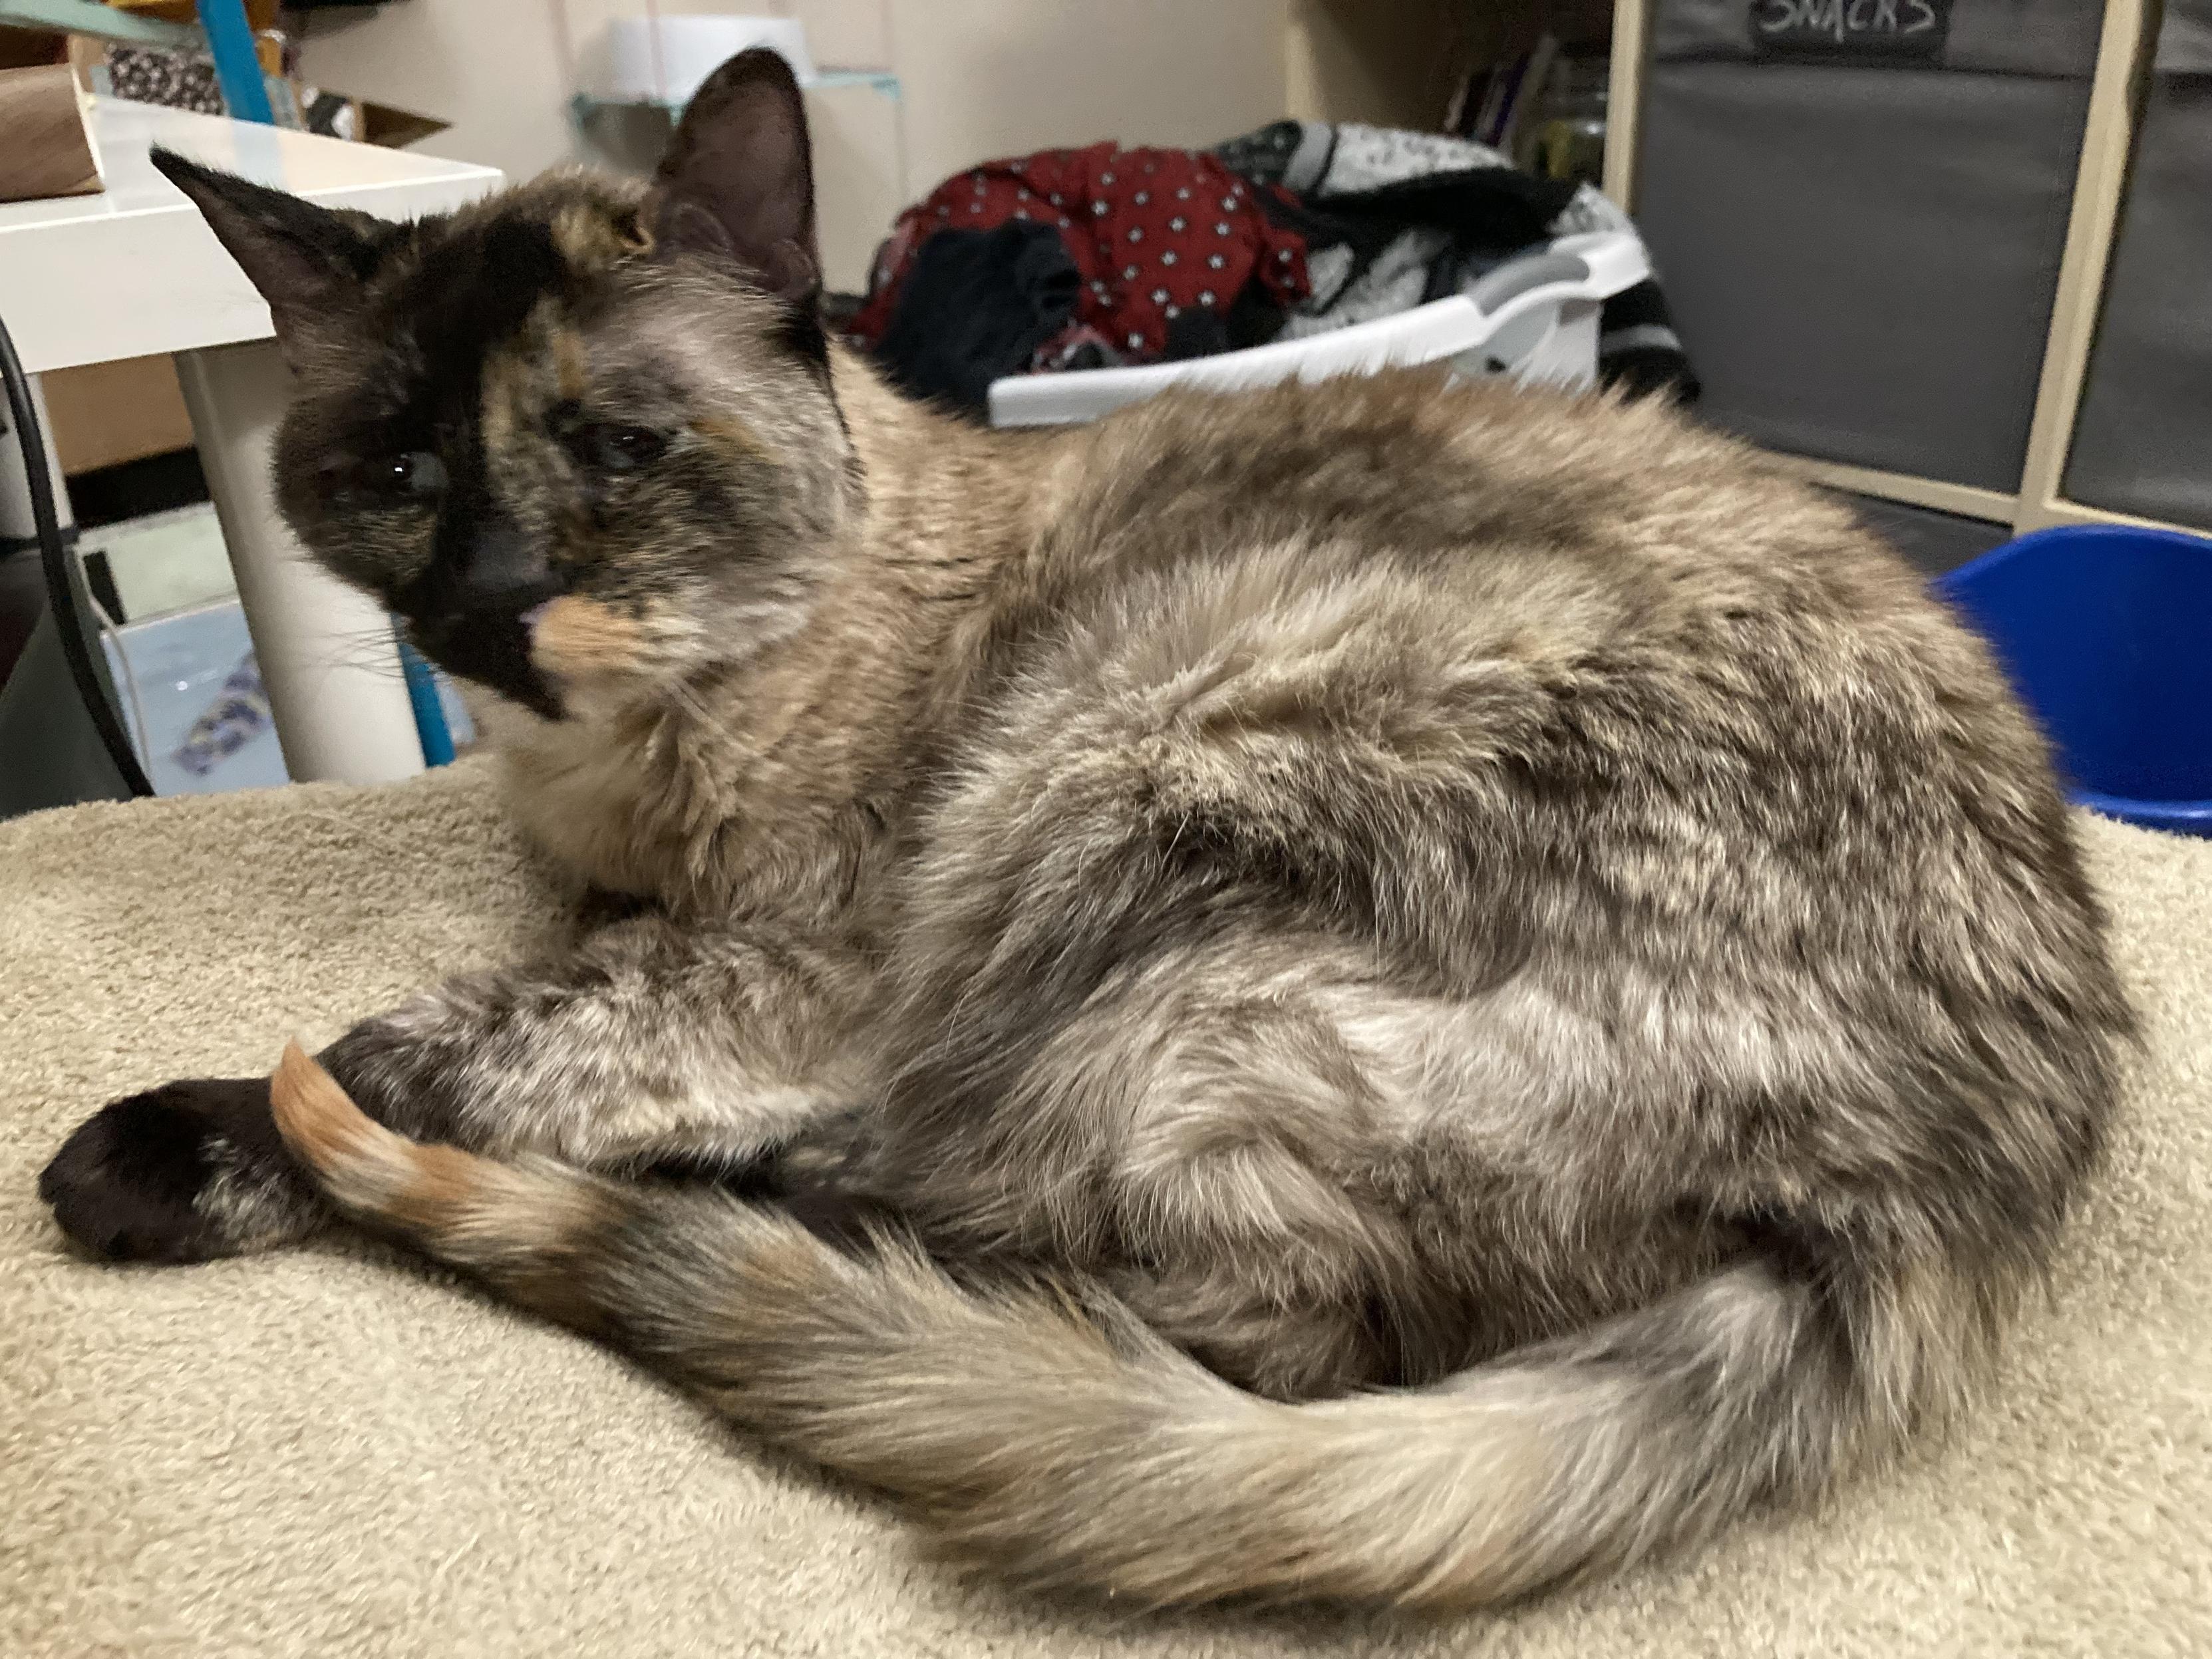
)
(1386, 991)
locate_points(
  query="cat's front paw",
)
(180, 1173)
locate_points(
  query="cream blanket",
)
(332, 1452)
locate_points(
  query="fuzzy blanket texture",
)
(332, 1451)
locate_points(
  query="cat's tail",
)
(1061, 1447)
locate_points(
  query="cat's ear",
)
(739, 177)
(309, 263)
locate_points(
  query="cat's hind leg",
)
(1198, 1135)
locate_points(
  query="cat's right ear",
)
(309, 263)
(738, 179)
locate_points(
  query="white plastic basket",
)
(1534, 318)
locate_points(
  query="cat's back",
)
(1480, 528)
(1598, 517)
(1625, 658)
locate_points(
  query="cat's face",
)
(579, 437)
(570, 465)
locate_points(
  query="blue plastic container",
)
(2107, 634)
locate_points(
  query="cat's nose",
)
(503, 563)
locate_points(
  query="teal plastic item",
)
(429, 710)
(237, 70)
(2107, 633)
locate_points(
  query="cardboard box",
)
(105, 414)
(46, 146)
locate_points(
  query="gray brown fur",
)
(1498, 899)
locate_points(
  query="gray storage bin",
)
(1861, 252)
(2142, 443)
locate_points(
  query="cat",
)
(1390, 992)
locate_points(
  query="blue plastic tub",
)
(2107, 633)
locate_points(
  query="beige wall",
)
(1389, 62)
(979, 78)
(1000, 77)
(491, 67)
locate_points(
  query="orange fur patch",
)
(574, 635)
(570, 364)
(587, 238)
(364, 1165)
(733, 437)
(317, 1118)
(520, 1230)
(506, 388)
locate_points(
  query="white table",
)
(135, 270)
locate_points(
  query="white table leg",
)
(326, 653)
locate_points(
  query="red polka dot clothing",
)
(1153, 232)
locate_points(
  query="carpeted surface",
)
(329, 1452)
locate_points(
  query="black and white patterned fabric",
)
(1393, 219)
(175, 80)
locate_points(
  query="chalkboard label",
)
(1901, 32)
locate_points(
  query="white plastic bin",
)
(1534, 318)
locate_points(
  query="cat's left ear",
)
(739, 177)
(309, 263)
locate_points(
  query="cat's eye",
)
(616, 448)
(417, 473)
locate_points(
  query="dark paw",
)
(133, 1183)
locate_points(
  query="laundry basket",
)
(2103, 631)
(1535, 318)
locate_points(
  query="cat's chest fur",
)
(653, 812)
(607, 809)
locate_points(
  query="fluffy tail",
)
(1066, 1450)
